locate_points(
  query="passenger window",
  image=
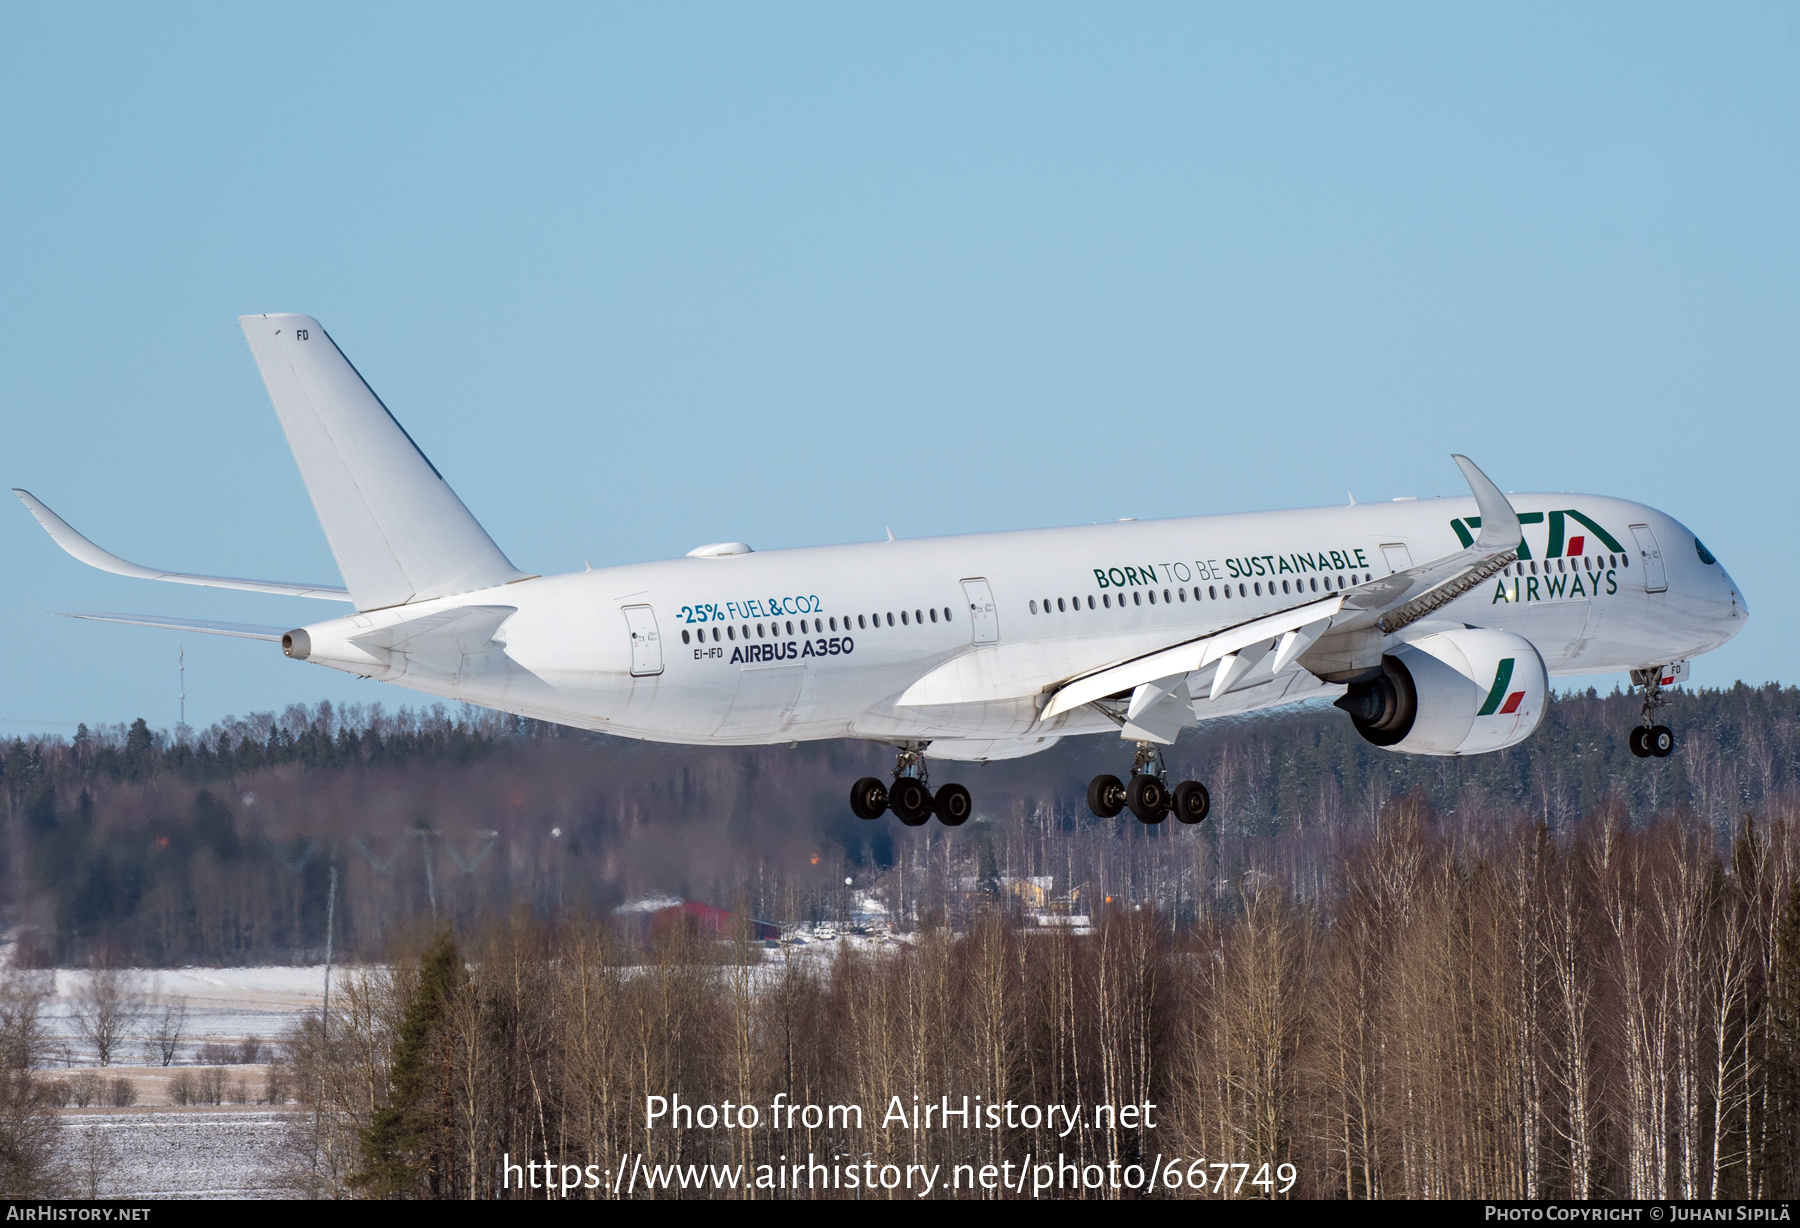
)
(1152, 596)
(890, 618)
(1165, 596)
(1090, 603)
(1183, 593)
(1034, 607)
(684, 637)
(731, 632)
(759, 632)
(1060, 608)
(933, 613)
(918, 616)
(903, 618)
(1258, 587)
(1106, 600)
(1137, 597)
(946, 613)
(715, 635)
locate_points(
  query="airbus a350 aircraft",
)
(1435, 624)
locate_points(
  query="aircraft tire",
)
(1106, 797)
(1660, 741)
(910, 801)
(1637, 741)
(1148, 799)
(953, 805)
(1192, 802)
(868, 798)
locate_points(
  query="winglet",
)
(1499, 523)
(65, 535)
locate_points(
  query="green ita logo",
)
(1567, 571)
(1559, 544)
(1497, 693)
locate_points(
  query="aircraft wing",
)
(242, 631)
(1389, 603)
(64, 534)
(1297, 628)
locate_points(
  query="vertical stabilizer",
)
(397, 530)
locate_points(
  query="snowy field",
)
(177, 1153)
(223, 1005)
(156, 1150)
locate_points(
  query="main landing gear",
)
(910, 796)
(1148, 794)
(1649, 738)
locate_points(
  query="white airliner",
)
(1434, 623)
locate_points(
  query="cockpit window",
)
(1706, 556)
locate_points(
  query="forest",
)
(124, 846)
(1558, 971)
(1612, 1013)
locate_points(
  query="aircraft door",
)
(1656, 576)
(646, 644)
(984, 617)
(1396, 556)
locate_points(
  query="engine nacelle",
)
(1454, 693)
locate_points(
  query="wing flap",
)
(1188, 657)
(64, 534)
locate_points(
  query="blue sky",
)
(641, 278)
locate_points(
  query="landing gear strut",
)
(1148, 793)
(910, 796)
(1649, 738)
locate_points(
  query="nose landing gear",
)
(910, 796)
(1148, 794)
(1649, 738)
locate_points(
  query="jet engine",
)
(1454, 693)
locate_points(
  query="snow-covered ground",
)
(193, 1153)
(223, 1005)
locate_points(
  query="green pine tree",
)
(403, 1148)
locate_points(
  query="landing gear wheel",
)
(1148, 799)
(910, 801)
(953, 805)
(868, 798)
(1106, 797)
(1637, 741)
(1192, 802)
(1659, 740)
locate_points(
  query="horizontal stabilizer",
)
(64, 535)
(397, 530)
(447, 633)
(242, 631)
